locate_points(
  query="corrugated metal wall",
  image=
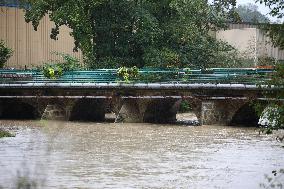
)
(32, 48)
(265, 48)
(244, 36)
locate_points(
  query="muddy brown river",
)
(107, 155)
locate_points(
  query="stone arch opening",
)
(18, 110)
(88, 110)
(189, 112)
(161, 111)
(245, 116)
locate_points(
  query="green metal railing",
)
(213, 75)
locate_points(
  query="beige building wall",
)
(32, 48)
(250, 41)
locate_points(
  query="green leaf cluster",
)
(276, 7)
(250, 13)
(128, 74)
(4, 133)
(142, 33)
(54, 70)
(5, 53)
(274, 110)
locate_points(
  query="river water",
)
(107, 155)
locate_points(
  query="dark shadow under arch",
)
(18, 110)
(88, 110)
(245, 116)
(161, 111)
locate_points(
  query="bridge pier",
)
(219, 112)
(131, 110)
(56, 112)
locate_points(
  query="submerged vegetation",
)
(4, 133)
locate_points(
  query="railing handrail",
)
(211, 75)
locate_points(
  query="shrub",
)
(54, 70)
(5, 53)
(128, 73)
(184, 107)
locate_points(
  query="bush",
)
(128, 73)
(184, 107)
(5, 53)
(54, 70)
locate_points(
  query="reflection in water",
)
(104, 155)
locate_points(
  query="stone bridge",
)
(220, 104)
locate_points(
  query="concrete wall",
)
(32, 48)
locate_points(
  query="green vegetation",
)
(276, 7)
(4, 133)
(275, 31)
(249, 13)
(128, 74)
(54, 70)
(184, 107)
(142, 33)
(274, 110)
(5, 53)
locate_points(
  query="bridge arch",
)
(245, 116)
(161, 111)
(17, 109)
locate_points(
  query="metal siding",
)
(238, 33)
(32, 48)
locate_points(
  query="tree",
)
(276, 7)
(275, 114)
(166, 33)
(275, 31)
(249, 13)
(5, 53)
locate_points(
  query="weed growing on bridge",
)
(128, 74)
(54, 70)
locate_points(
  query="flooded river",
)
(106, 155)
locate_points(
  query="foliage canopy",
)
(249, 13)
(143, 33)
